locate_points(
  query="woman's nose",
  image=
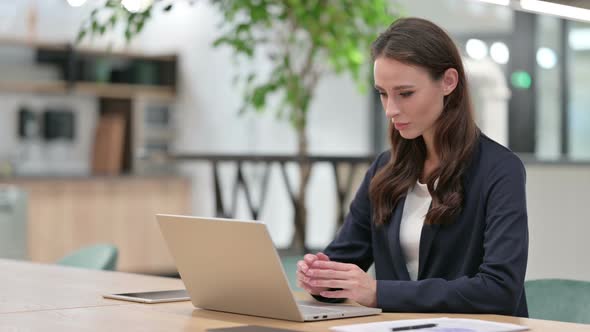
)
(391, 109)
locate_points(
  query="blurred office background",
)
(64, 113)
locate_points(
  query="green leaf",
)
(81, 35)
(250, 78)
(139, 26)
(112, 4)
(113, 21)
(355, 57)
(259, 96)
(217, 42)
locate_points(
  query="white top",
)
(415, 208)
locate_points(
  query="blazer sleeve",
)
(353, 243)
(499, 283)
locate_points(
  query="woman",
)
(442, 215)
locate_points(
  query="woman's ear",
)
(449, 81)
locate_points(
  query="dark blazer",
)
(475, 265)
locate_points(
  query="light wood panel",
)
(66, 214)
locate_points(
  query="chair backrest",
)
(13, 222)
(559, 299)
(96, 257)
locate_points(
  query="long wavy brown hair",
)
(421, 43)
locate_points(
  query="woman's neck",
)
(432, 160)
(429, 167)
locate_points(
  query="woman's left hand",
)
(355, 284)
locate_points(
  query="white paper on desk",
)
(443, 324)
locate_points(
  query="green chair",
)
(96, 257)
(290, 265)
(559, 299)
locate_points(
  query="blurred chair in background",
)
(96, 257)
(290, 266)
(13, 222)
(559, 299)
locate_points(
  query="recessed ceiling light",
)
(136, 6)
(476, 49)
(76, 3)
(546, 58)
(551, 8)
(500, 53)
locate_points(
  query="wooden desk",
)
(28, 287)
(36, 297)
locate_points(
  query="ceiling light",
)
(500, 53)
(476, 49)
(546, 58)
(497, 2)
(76, 3)
(550, 8)
(136, 6)
(579, 39)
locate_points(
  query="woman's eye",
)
(382, 94)
(406, 94)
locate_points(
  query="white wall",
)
(58, 158)
(559, 221)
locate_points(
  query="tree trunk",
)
(300, 218)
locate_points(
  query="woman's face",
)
(412, 100)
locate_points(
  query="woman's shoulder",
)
(382, 159)
(492, 155)
(492, 149)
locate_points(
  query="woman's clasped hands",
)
(318, 275)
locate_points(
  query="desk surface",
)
(31, 287)
(52, 298)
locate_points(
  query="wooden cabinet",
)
(66, 214)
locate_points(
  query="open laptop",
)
(232, 266)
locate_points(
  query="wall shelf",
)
(52, 87)
(127, 91)
(21, 42)
(108, 74)
(111, 90)
(133, 90)
(90, 51)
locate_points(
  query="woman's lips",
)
(400, 126)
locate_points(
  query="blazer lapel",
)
(399, 262)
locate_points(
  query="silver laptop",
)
(232, 266)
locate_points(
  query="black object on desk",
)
(413, 327)
(250, 328)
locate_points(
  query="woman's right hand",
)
(303, 266)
